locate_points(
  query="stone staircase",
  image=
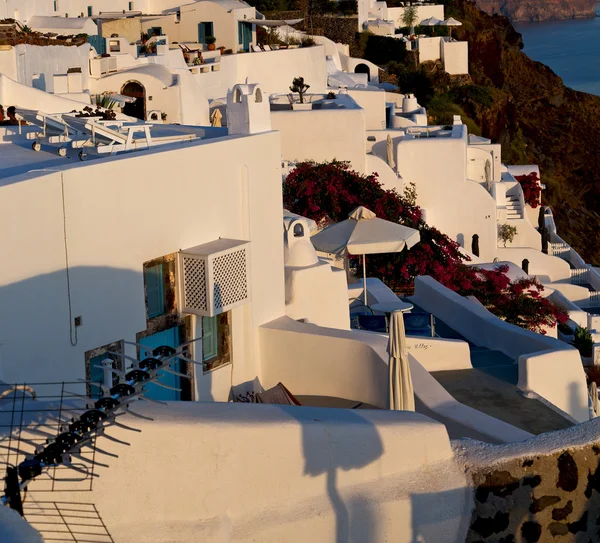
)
(513, 207)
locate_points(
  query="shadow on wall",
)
(355, 521)
(109, 300)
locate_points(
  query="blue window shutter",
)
(153, 277)
(240, 33)
(90, 11)
(210, 338)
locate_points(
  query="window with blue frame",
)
(216, 341)
(90, 11)
(155, 293)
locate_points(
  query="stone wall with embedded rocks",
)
(548, 496)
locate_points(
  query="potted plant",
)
(210, 43)
(300, 87)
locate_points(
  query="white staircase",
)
(513, 207)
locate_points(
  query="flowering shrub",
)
(532, 190)
(327, 192)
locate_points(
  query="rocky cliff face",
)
(539, 10)
(538, 121)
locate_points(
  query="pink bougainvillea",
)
(532, 189)
(328, 192)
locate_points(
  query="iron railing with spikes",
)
(84, 428)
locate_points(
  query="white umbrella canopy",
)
(432, 21)
(363, 233)
(402, 396)
(451, 22)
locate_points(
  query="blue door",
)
(168, 337)
(98, 43)
(245, 35)
(204, 29)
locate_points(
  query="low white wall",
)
(438, 354)
(557, 377)
(540, 264)
(477, 324)
(352, 364)
(576, 314)
(273, 473)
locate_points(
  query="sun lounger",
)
(276, 395)
(256, 49)
(115, 136)
(266, 48)
(53, 128)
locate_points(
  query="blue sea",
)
(570, 48)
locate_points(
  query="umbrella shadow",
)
(327, 450)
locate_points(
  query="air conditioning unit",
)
(214, 277)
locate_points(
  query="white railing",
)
(594, 300)
(560, 249)
(579, 276)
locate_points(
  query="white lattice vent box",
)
(214, 277)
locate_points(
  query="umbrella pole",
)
(365, 277)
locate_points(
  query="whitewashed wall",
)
(267, 473)
(119, 213)
(41, 63)
(452, 203)
(274, 70)
(455, 55)
(317, 135)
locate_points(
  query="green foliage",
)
(477, 94)
(410, 16)
(506, 233)
(381, 50)
(210, 40)
(105, 101)
(300, 87)
(583, 342)
(414, 81)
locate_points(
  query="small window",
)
(55, 5)
(155, 296)
(114, 46)
(238, 95)
(298, 230)
(90, 11)
(216, 341)
(130, 6)
(258, 96)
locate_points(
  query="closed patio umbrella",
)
(215, 118)
(363, 233)
(402, 396)
(390, 152)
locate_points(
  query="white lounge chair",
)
(53, 128)
(267, 48)
(256, 49)
(115, 136)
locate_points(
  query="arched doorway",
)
(138, 108)
(363, 69)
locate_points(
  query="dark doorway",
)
(138, 108)
(363, 69)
